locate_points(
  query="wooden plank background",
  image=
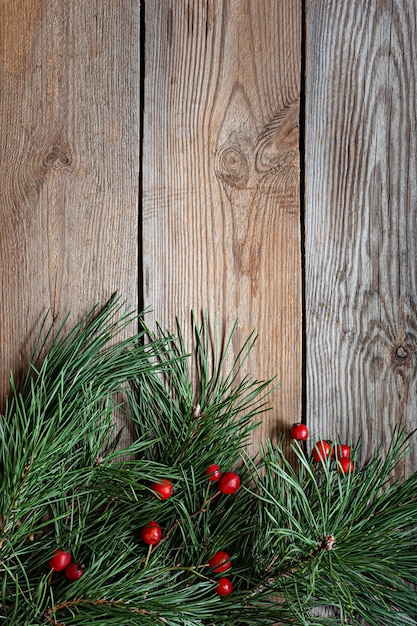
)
(221, 209)
(211, 218)
(69, 160)
(361, 192)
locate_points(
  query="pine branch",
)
(299, 538)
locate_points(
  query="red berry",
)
(229, 483)
(73, 571)
(151, 533)
(321, 451)
(213, 472)
(163, 489)
(345, 466)
(299, 432)
(224, 587)
(221, 560)
(60, 560)
(343, 452)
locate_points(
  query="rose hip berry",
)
(73, 571)
(60, 560)
(224, 587)
(213, 472)
(229, 483)
(345, 466)
(321, 451)
(220, 561)
(343, 452)
(151, 533)
(299, 432)
(163, 489)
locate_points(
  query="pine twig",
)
(81, 602)
(5, 526)
(327, 543)
(177, 522)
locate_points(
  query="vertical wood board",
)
(69, 163)
(361, 192)
(221, 217)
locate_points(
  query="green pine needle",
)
(301, 538)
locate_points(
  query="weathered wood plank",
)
(361, 194)
(69, 162)
(221, 177)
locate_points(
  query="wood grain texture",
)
(69, 162)
(361, 194)
(221, 177)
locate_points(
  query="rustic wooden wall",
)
(69, 160)
(360, 195)
(220, 83)
(221, 206)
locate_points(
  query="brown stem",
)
(326, 543)
(194, 569)
(61, 606)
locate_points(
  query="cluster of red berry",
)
(228, 483)
(220, 562)
(324, 449)
(62, 560)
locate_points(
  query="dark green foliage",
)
(300, 538)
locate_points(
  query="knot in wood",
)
(232, 167)
(401, 352)
(56, 157)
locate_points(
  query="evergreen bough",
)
(301, 537)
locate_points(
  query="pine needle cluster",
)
(301, 537)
